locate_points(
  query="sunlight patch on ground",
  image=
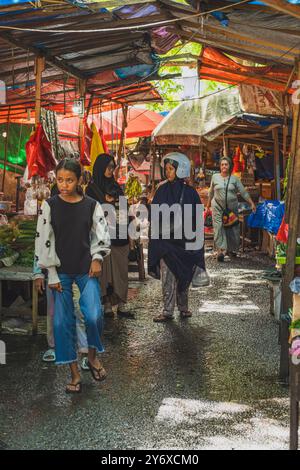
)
(242, 432)
(179, 411)
(220, 307)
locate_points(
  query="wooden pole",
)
(276, 164)
(39, 68)
(82, 91)
(293, 219)
(153, 167)
(5, 149)
(122, 138)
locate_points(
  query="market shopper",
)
(168, 258)
(114, 277)
(222, 198)
(72, 239)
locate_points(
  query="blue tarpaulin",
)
(12, 2)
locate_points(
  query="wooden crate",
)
(247, 179)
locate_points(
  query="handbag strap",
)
(227, 192)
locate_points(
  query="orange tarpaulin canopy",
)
(215, 65)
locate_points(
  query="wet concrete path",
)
(207, 382)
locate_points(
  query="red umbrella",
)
(141, 123)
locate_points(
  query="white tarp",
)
(209, 116)
(191, 120)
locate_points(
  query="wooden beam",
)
(6, 148)
(82, 93)
(276, 164)
(122, 138)
(293, 219)
(39, 68)
(52, 60)
(284, 7)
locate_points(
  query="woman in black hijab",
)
(114, 279)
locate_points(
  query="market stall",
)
(239, 123)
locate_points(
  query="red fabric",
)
(283, 232)
(237, 164)
(215, 65)
(39, 156)
(85, 151)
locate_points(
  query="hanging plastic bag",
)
(283, 232)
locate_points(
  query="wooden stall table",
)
(18, 273)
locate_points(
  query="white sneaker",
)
(84, 363)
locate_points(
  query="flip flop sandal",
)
(162, 318)
(93, 369)
(76, 388)
(185, 314)
(125, 314)
(272, 276)
(49, 356)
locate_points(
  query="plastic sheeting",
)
(17, 138)
(215, 65)
(268, 216)
(192, 120)
(211, 115)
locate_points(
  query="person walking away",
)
(72, 239)
(223, 193)
(168, 259)
(114, 278)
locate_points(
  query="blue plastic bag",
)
(268, 216)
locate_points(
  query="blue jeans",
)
(65, 320)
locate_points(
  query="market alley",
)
(206, 382)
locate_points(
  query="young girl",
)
(72, 239)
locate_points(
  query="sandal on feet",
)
(125, 314)
(162, 318)
(187, 314)
(98, 374)
(73, 388)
